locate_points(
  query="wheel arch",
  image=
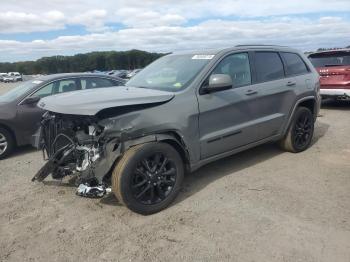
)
(308, 102)
(171, 137)
(6, 127)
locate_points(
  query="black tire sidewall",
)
(10, 143)
(301, 111)
(127, 174)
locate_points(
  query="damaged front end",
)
(77, 145)
(84, 133)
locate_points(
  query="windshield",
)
(19, 91)
(326, 60)
(170, 73)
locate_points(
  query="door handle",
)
(291, 83)
(251, 92)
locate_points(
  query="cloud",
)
(135, 17)
(93, 20)
(94, 15)
(305, 34)
(14, 22)
(169, 25)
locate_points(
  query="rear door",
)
(277, 92)
(297, 72)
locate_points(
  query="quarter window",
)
(294, 64)
(269, 66)
(44, 91)
(237, 66)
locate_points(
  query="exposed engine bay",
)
(76, 145)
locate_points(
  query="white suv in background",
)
(16, 76)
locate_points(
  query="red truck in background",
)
(333, 67)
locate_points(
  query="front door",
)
(226, 118)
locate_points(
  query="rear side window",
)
(94, 82)
(268, 66)
(294, 64)
(67, 85)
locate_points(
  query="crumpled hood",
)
(91, 101)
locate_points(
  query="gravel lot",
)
(259, 205)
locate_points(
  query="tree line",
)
(102, 61)
(333, 48)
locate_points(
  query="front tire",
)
(300, 132)
(7, 143)
(148, 177)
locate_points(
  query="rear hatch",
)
(333, 68)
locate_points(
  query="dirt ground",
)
(259, 205)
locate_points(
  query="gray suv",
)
(178, 114)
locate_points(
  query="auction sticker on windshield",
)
(205, 57)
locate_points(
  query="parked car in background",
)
(333, 67)
(8, 79)
(2, 75)
(16, 76)
(133, 73)
(179, 113)
(120, 73)
(19, 115)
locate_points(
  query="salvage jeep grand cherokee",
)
(179, 113)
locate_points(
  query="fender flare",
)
(285, 129)
(172, 136)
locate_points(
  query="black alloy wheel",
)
(148, 177)
(154, 179)
(302, 132)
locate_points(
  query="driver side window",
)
(237, 66)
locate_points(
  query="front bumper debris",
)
(84, 190)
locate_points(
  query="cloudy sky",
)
(36, 28)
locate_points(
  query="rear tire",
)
(300, 132)
(148, 177)
(7, 143)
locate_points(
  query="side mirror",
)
(31, 100)
(218, 82)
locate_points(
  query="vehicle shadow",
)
(22, 150)
(332, 104)
(70, 182)
(110, 200)
(200, 179)
(196, 181)
(320, 130)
